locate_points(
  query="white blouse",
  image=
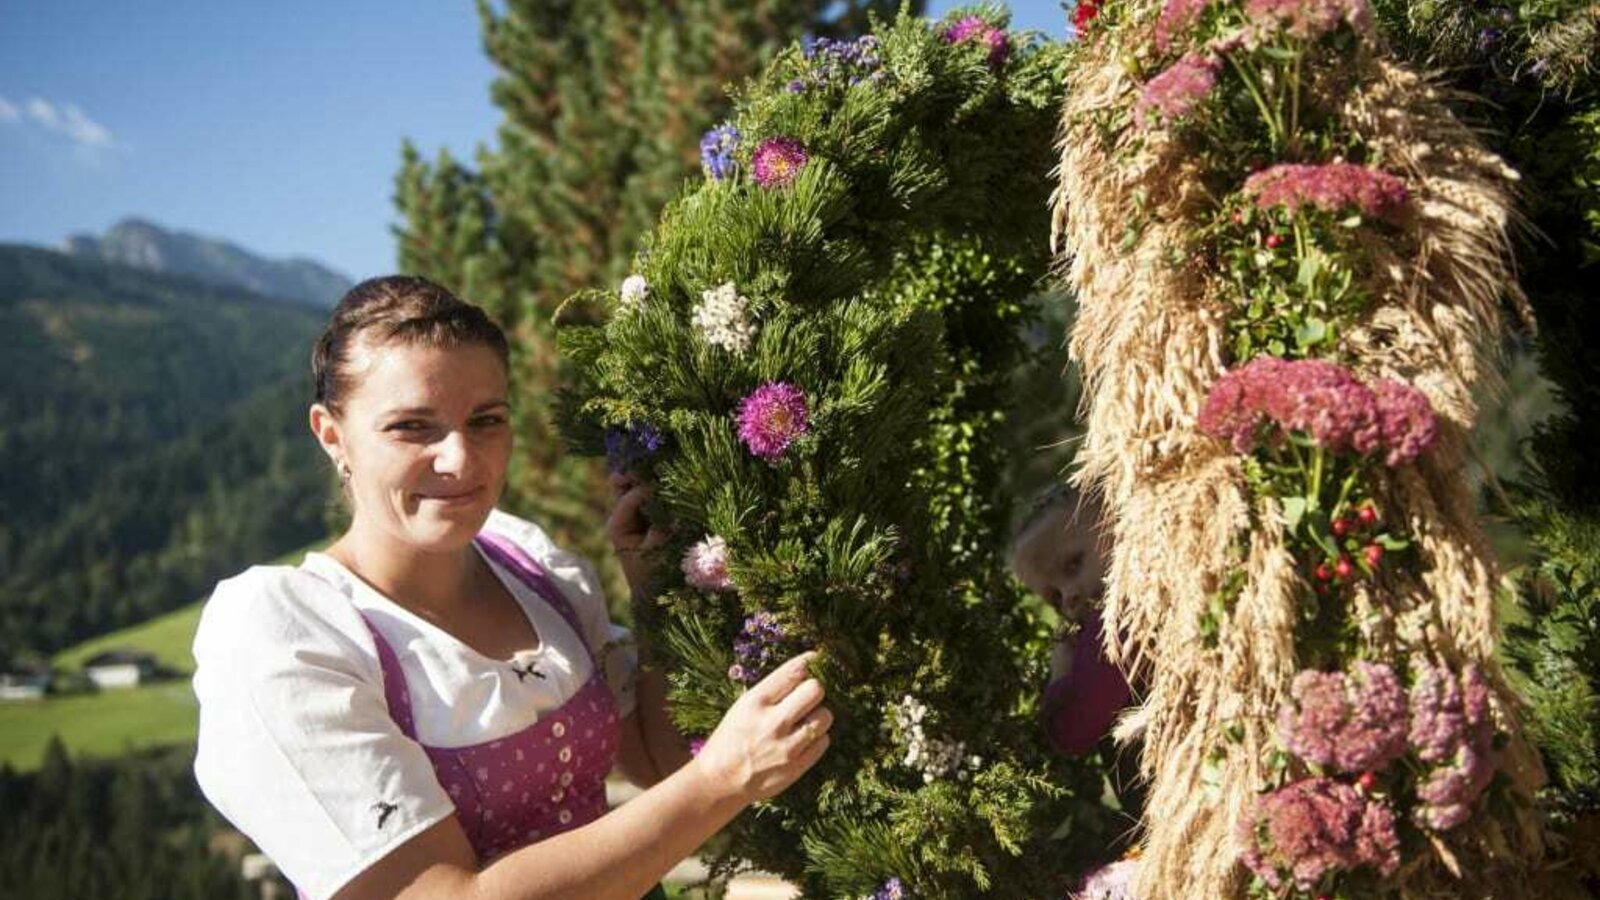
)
(296, 746)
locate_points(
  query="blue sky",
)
(274, 125)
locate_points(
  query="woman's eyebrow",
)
(491, 405)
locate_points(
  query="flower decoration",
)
(716, 151)
(1176, 18)
(892, 889)
(1315, 827)
(635, 290)
(1332, 187)
(705, 565)
(756, 649)
(1352, 722)
(1175, 92)
(1309, 19)
(1113, 881)
(628, 446)
(834, 62)
(772, 417)
(777, 162)
(1084, 12)
(1451, 728)
(723, 317)
(977, 30)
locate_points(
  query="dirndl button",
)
(565, 755)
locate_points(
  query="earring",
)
(343, 468)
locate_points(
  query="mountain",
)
(154, 429)
(146, 245)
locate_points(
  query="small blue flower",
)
(629, 446)
(716, 151)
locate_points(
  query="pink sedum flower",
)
(1177, 17)
(1175, 92)
(777, 162)
(705, 565)
(1308, 19)
(1351, 722)
(772, 417)
(1333, 187)
(1452, 728)
(1311, 828)
(1407, 421)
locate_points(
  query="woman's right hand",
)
(771, 735)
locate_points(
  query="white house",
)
(24, 685)
(116, 669)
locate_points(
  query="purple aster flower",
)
(977, 30)
(1314, 827)
(756, 651)
(1176, 18)
(1333, 187)
(631, 445)
(891, 890)
(772, 417)
(1352, 722)
(705, 565)
(1175, 92)
(778, 161)
(1407, 421)
(716, 151)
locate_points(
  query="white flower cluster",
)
(723, 317)
(935, 758)
(634, 291)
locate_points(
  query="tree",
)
(604, 103)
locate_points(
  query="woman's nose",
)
(451, 454)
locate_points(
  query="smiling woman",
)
(431, 706)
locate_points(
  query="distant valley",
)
(152, 428)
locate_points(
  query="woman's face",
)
(426, 434)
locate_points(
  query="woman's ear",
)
(325, 428)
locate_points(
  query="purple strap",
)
(526, 569)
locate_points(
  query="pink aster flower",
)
(1407, 421)
(777, 162)
(772, 417)
(1176, 18)
(705, 565)
(1307, 19)
(1308, 829)
(1333, 187)
(1352, 722)
(696, 745)
(1175, 92)
(977, 30)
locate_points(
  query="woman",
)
(430, 707)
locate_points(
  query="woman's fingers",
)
(811, 729)
(621, 483)
(800, 702)
(626, 518)
(783, 680)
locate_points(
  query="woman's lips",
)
(459, 498)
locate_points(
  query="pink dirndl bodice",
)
(541, 781)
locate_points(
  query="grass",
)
(112, 723)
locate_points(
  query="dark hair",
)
(395, 309)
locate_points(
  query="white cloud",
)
(64, 119)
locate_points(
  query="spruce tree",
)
(811, 361)
(603, 102)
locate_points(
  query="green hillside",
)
(167, 637)
(161, 423)
(111, 723)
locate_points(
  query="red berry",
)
(1374, 554)
(1238, 217)
(1274, 241)
(1367, 782)
(1341, 527)
(1323, 573)
(1368, 515)
(1343, 568)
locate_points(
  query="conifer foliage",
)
(809, 360)
(603, 101)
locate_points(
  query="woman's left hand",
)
(633, 536)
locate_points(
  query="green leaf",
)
(1311, 332)
(1294, 510)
